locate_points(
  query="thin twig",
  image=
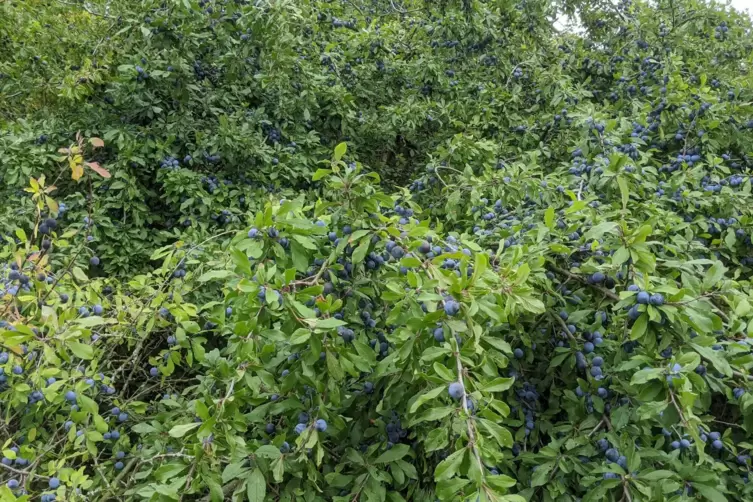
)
(23, 473)
(189, 478)
(625, 491)
(140, 344)
(564, 326)
(83, 6)
(679, 411)
(596, 429)
(603, 290)
(742, 375)
(469, 421)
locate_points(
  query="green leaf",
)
(498, 385)
(448, 488)
(256, 487)
(657, 475)
(425, 397)
(639, 327)
(81, 350)
(143, 428)
(620, 256)
(501, 434)
(181, 430)
(268, 451)
(79, 274)
(433, 414)
(278, 470)
(743, 308)
(361, 251)
(333, 366)
(303, 311)
(498, 344)
(645, 375)
(329, 323)
(87, 404)
(576, 206)
(215, 274)
(620, 417)
(624, 191)
(711, 356)
(541, 476)
(396, 452)
(444, 373)
(714, 275)
(500, 481)
(300, 336)
(549, 217)
(448, 467)
(320, 173)
(90, 322)
(233, 471)
(306, 242)
(337, 480)
(599, 230)
(436, 439)
(340, 151)
(709, 493)
(241, 261)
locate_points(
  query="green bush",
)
(375, 251)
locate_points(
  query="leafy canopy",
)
(375, 251)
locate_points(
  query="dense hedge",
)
(375, 251)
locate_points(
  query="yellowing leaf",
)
(52, 205)
(76, 171)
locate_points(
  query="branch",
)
(720, 313)
(564, 326)
(625, 492)
(742, 375)
(578, 278)
(22, 473)
(227, 396)
(83, 6)
(596, 429)
(189, 479)
(140, 344)
(679, 411)
(313, 280)
(120, 477)
(225, 490)
(469, 421)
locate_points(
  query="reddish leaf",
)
(96, 142)
(98, 169)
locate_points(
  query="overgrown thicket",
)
(366, 251)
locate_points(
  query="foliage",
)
(227, 277)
